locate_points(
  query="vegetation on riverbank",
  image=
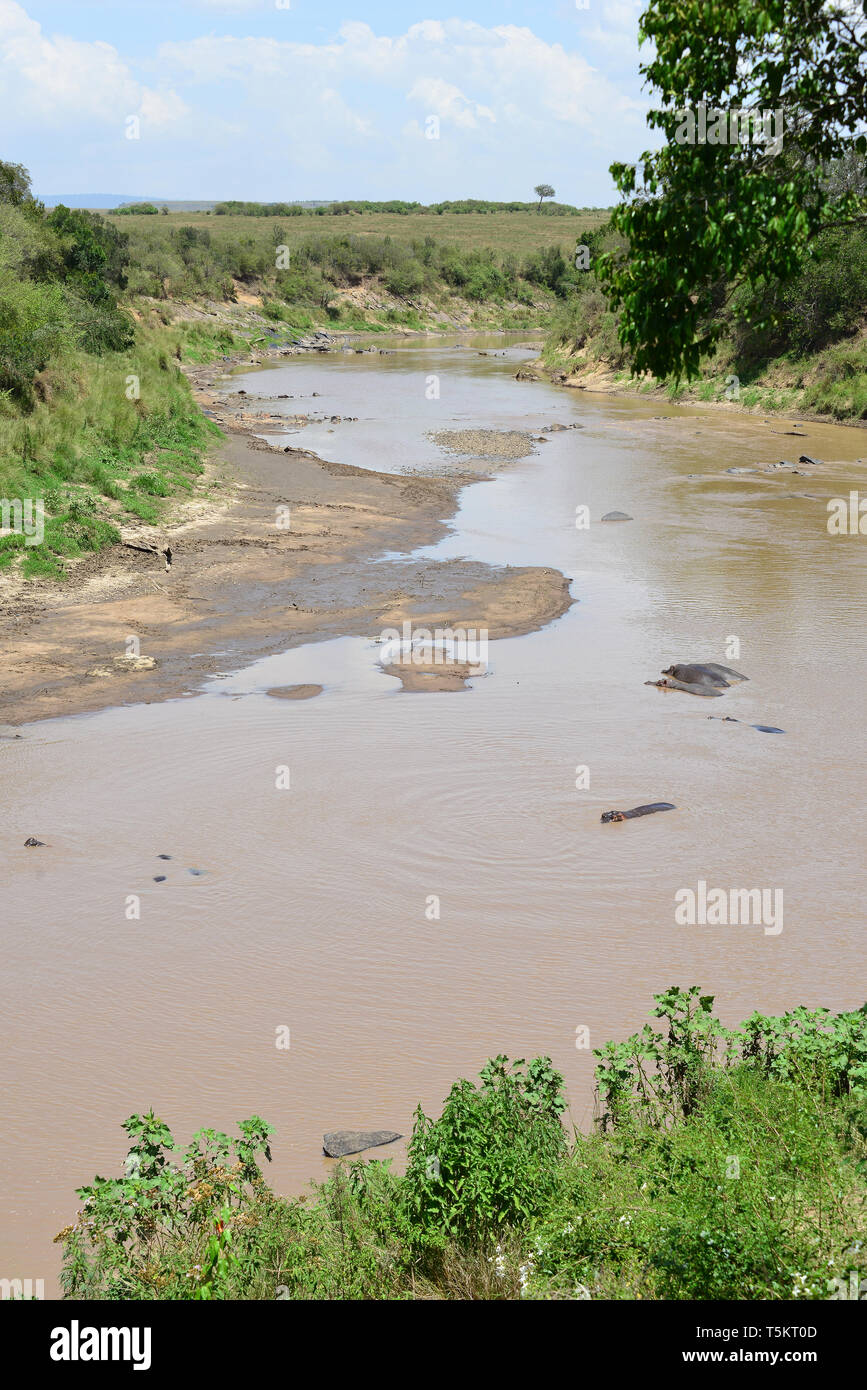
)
(98, 314)
(510, 268)
(798, 347)
(724, 1164)
(738, 249)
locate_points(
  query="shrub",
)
(488, 1162)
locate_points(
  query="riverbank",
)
(830, 388)
(270, 550)
(713, 1152)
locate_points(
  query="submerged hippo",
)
(637, 811)
(762, 728)
(698, 678)
(691, 688)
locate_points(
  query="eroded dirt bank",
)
(274, 550)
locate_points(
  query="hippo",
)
(708, 673)
(690, 688)
(637, 811)
(707, 679)
(762, 728)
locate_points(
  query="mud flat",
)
(272, 552)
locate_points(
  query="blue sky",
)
(321, 98)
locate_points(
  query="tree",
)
(757, 99)
(14, 184)
(544, 190)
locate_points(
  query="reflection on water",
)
(314, 910)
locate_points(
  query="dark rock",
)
(33, 843)
(617, 516)
(164, 856)
(805, 458)
(159, 878)
(337, 1143)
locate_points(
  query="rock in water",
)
(617, 516)
(33, 843)
(337, 1143)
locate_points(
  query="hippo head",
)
(612, 816)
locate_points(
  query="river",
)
(317, 908)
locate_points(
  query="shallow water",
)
(311, 912)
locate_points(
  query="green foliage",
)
(700, 217)
(127, 1225)
(96, 457)
(726, 1164)
(488, 1162)
(34, 327)
(661, 1079)
(14, 184)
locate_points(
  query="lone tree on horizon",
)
(544, 190)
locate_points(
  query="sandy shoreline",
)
(243, 584)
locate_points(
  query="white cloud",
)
(448, 102)
(50, 81)
(273, 116)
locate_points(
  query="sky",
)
(306, 99)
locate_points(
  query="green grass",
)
(726, 1164)
(505, 233)
(97, 455)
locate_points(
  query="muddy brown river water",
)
(317, 908)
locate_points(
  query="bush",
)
(488, 1161)
(406, 279)
(727, 1164)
